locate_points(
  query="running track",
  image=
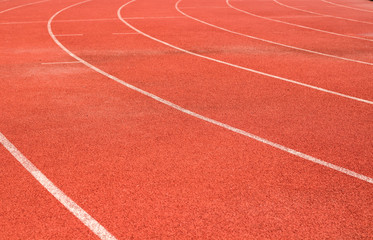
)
(191, 119)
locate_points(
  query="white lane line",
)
(52, 63)
(268, 41)
(23, 5)
(297, 25)
(74, 208)
(244, 68)
(196, 115)
(320, 14)
(69, 35)
(128, 33)
(345, 6)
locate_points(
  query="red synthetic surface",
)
(144, 170)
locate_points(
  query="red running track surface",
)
(144, 170)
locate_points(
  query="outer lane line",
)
(244, 68)
(23, 5)
(320, 14)
(196, 115)
(74, 208)
(268, 41)
(341, 5)
(297, 25)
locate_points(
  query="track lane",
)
(163, 192)
(167, 216)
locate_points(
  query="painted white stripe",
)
(196, 115)
(268, 41)
(296, 25)
(325, 15)
(244, 68)
(74, 208)
(52, 63)
(23, 5)
(341, 5)
(69, 35)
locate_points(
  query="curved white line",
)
(245, 68)
(198, 116)
(23, 5)
(297, 25)
(341, 5)
(268, 41)
(74, 208)
(320, 14)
